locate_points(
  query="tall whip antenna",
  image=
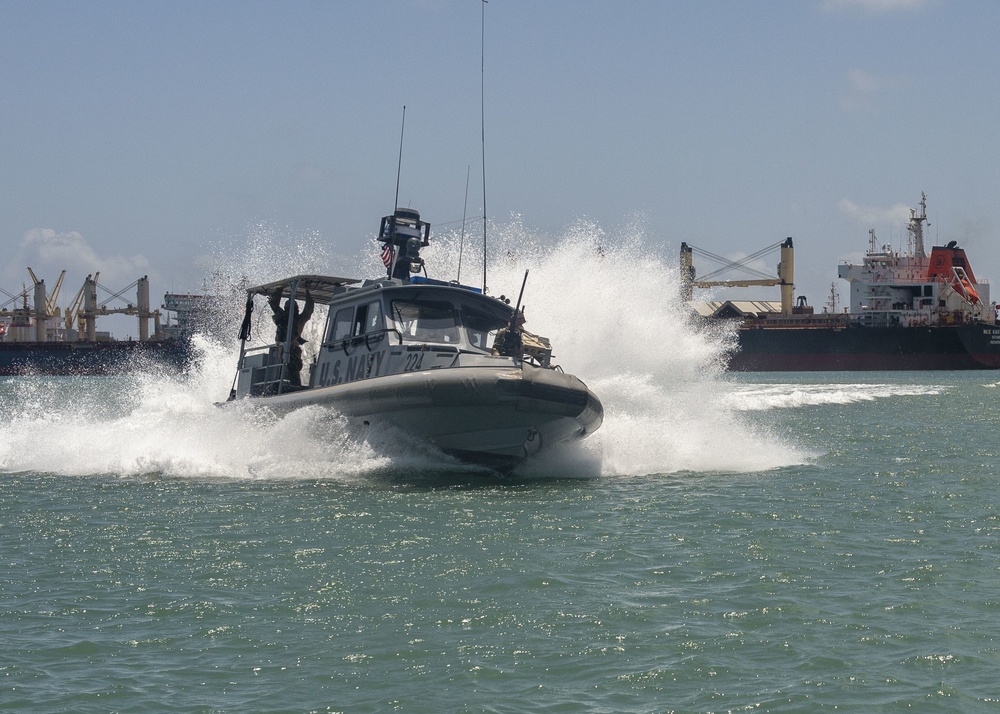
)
(399, 165)
(395, 203)
(465, 211)
(482, 124)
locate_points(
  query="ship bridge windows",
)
(426, 320)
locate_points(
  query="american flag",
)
(387, 254)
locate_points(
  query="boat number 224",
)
(414, 362)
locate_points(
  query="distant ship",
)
(908, 311)
(37, 338)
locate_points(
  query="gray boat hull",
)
(493, 416)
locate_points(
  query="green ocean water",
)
(780, 543)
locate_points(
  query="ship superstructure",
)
(910, 289)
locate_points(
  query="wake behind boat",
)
(436, 359)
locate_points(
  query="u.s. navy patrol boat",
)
(439, 360)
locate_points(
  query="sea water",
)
(726, 542)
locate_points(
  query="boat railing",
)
(540, 355)
(262, 371)
(370, 340)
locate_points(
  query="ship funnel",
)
(403, 234)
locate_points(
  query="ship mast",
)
(916, 227)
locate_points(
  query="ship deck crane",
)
(141, 308)
(72, 313)
(785, 278)
(50, 305)
(51, 310)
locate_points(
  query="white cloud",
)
(48, 252)
(864, 89)
(875, 216)
(872, 7)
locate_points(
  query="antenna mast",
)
(399, 164)
(395, 202)
(465, 211)
(916, 228)
(482, 125)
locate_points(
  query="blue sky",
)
(137, 135)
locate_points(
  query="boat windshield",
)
(426, 320)
(481, 328)
(342, 321)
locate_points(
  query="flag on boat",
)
(387, 254)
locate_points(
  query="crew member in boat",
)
(508, 342)
(280, 315)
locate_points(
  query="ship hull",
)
(495, 417)
(89, 358)
(953, 347)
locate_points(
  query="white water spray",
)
(765, 397)
(610, 305)
(608, 302)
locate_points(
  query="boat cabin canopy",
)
(323, 288)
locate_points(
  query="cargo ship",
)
(908, 311)
(38, 338)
